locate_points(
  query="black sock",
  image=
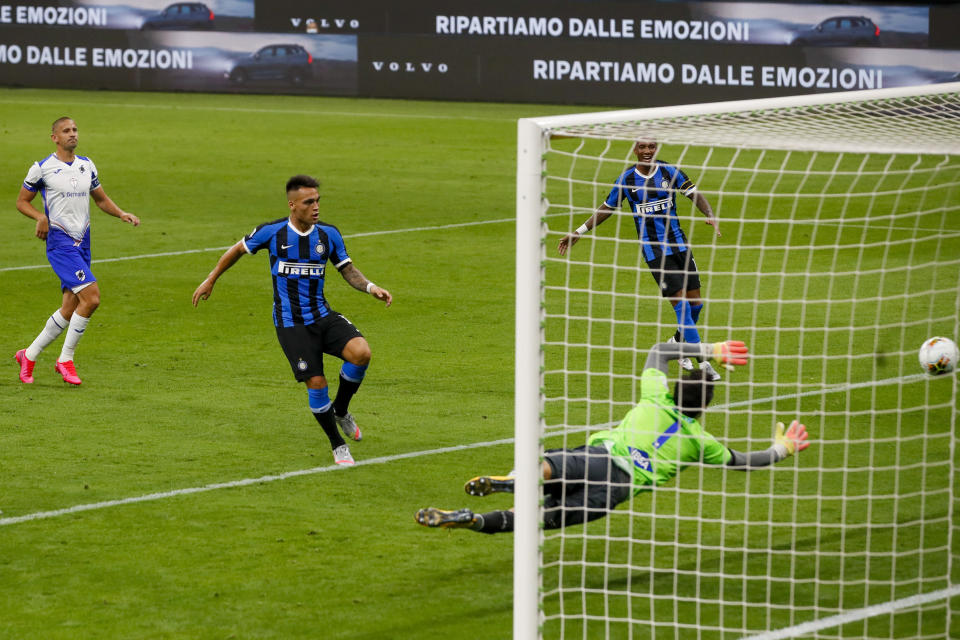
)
(345, 392)
(495, 522)
(329, 425)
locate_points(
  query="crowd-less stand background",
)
(583, 51)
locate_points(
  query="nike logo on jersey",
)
(285, 246)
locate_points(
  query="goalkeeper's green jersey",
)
(654, 441)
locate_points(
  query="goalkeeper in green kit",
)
(657, 439)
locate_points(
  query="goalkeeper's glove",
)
(789, 441)
(730, 353)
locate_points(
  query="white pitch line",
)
(41, 515)
(352, 235)
(304, 472)
(856, 615)
(913, 377)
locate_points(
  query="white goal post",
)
(839, 255)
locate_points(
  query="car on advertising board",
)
(840, 31)
(181, 15)
(284, 62)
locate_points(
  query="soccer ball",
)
(939, 356)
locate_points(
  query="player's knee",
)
(89, 303)
(316, 382)
(546, 470)
(358, 352)
(363, 359)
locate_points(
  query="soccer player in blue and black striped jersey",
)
(301, 248)
(650, 187)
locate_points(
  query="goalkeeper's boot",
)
(349, 426)
(68, 371)
(485, 485)
(710, 372)
(685, 363)
(26, 366)
(341, 455)
(432, 517)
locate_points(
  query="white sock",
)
(51, 331)
(78, 324)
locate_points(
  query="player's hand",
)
(43, 227)
(203, 292)
(381, 294)
(793, 439)
(713, 222)
(130, 218)
(566, 242)
(730, 353)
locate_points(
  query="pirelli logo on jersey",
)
(308, 269)
(656, 206)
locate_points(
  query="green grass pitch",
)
(177, 398)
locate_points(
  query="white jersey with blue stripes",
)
(65, 188)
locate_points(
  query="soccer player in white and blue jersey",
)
(66, 182)
(650, 187)
(301, 249)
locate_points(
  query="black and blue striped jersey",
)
(298, 264)
(653, 200)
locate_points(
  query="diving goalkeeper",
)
(657, 439)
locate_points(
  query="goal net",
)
(838, 255)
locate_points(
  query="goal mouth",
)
(838, 254)
(880, 121)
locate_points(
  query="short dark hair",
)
(300, 181)
(693, 393)
(53, 127)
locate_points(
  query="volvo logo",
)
(315, 25)
(409, 66)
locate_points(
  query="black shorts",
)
(675, 272)
(585, 485)
(305, 344)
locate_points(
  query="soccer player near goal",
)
(655, 440)
(67, 182)
(651, 187)
(300, 247)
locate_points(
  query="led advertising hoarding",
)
(586, 52)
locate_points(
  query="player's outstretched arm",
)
(786, 442)
(729, 353)
(107, 205)
(227, 260)
(359, 282)
(602, 213)
(25, 206)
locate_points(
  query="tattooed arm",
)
(359, 282)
